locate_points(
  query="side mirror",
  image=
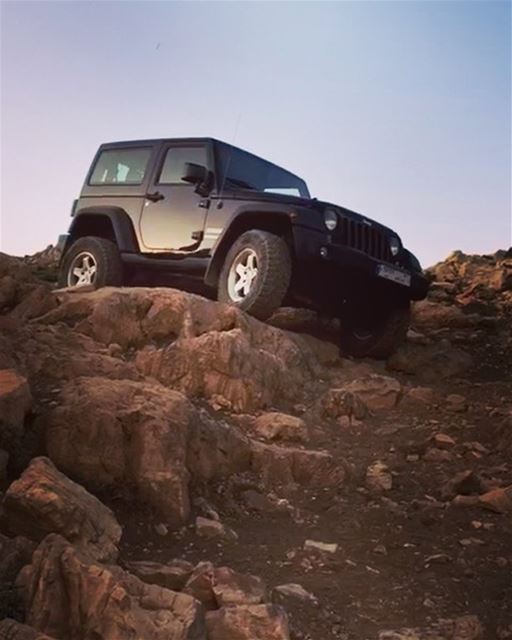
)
(200, 176)
(194, 173)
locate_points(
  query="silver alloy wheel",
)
(82, 271)
(242, 275)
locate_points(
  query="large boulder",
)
(44, 501)
(248, 622)
(202, 348)
(127, 435)
(68, 594)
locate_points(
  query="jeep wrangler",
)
(248, 228)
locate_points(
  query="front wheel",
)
(256, 273)
(91, 261)
(376, 336)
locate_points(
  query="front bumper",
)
(316, 251)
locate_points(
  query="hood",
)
(315, 206)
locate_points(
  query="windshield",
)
(245, 171)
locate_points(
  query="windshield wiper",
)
(241, 183)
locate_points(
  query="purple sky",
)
(399, 110)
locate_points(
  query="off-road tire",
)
(108, 260)
(380, 342)
(274, 273)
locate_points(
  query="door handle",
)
(154, 197)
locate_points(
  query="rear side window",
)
(173, 168)
(121, 166)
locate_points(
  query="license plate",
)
(395, 275)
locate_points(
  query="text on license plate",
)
(395, 275)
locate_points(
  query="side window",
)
(121, 166)
(173, 168)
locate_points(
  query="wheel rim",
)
(82, 271)
(242, 275)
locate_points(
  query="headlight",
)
(330, 219)
(394, 245)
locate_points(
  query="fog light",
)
(323, 252)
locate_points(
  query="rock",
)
(419, 396)
(292, 592)
(68, 594)
(13, 630)
(206, 528)
(340, 403)
(378, 477)
(15, 404)
(171, 575)
(161, 529)
(280, 426)
(200, 585)
(232, 588)
(216, 449)
(429, 316)
(498, 500)
(437, 455)
(205, 349)
(248, 622)
(43, 501)
(378, 393)
(456, 403)
(15, 553)
(465, 482)
(431, 363)
(121, 434)
(443, 441)
(322, 547)
(288, 467)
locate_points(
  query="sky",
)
(398, 110)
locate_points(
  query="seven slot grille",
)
(363, 237)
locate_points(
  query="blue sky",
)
(399, 110)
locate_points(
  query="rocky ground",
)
(173, 469)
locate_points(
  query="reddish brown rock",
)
(443, 441)
(432, 362)
(208, 349)
(456, 403)
(248, 622)
(68, 594)
(44, 501)
(120, 433)
(15, 553)
(498, 500)
(378, 393)
(207, 528)
(378, 477)
(280, 426)
(419, 396)
(13, 630)
(15, 404)
(233, 588)
(171, 575)
(289, 467)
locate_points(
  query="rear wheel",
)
(256, 273)
(91, 261)
(376, 335)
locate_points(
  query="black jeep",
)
(248, 228)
